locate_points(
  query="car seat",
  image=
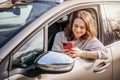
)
(56, 27)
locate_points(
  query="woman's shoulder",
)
(94, 39)
(61, 33)
(94, 43)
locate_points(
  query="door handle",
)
(101, 67)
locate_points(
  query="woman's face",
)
(79, 28)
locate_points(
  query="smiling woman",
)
(81, 32)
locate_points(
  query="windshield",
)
(15, 19)
(1, 1)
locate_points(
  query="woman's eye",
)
(82, 27)
(75, 26)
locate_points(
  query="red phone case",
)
(67, 45)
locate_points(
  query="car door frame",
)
(69, 10)
(114, 44)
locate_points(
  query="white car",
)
(27, 31)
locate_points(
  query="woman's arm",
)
(89, 54)
(76, 52)
(93, 49)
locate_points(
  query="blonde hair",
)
(90, 25)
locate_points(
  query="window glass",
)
(112, 27)
(16, 18)
(26, 55)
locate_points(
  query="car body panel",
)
(116, 60)
(79, 72)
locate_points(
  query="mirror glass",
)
(55, 61)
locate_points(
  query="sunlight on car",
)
(1, 1)
(11, 18)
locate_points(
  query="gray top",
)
(91, 45)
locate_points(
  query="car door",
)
(112, 34)
(83, 69)
(15, 31)
(22, 61)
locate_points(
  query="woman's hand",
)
(76, 52)
(67, 51)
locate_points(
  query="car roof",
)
(90, 0)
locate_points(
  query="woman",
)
(82, 33)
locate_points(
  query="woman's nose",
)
(78, 29)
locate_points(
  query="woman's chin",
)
(77, 37)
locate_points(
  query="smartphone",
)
(67, 45)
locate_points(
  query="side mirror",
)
(54, 62)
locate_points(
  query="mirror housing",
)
(54, 62)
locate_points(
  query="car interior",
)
(62, 23)
(56, 27)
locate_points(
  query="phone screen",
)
(67, 45)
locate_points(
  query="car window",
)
(26, 55)
(62, 23)
(112, 29)
(14, 19)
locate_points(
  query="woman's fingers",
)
(73, 49)
(65, 50)
(75, 55)
(74, 52)
(68, 53)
